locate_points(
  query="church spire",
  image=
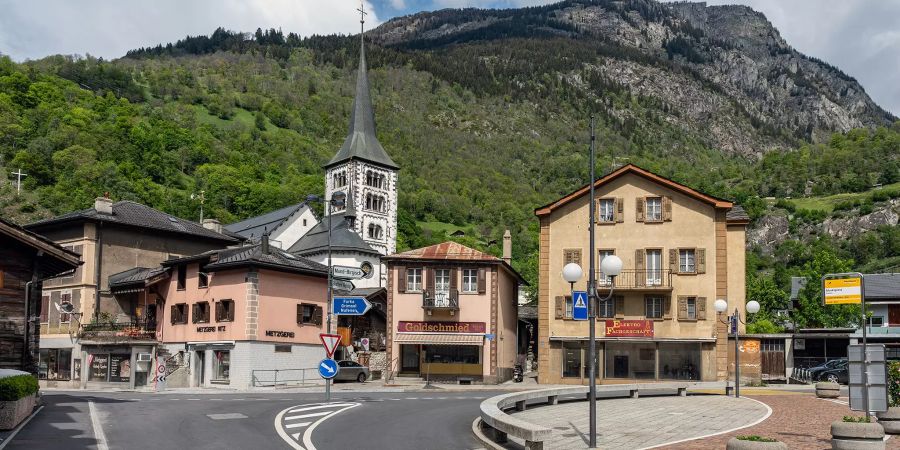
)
(361, 142)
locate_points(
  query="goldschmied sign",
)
(843, 291)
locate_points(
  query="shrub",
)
(17, 386)
(855, 419)
(756, 438)
(894, 383)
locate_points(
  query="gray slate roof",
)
(361, 142)
(882, 286)
(253, 256)
(254, 227)
(134, 276)
(342, 238)
(736, 213)
(133, 214)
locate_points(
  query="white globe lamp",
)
(611, 266)
(752, 307)
(572, 272)
(720, 305)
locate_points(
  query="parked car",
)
(837, 373)
(828, 365)
(352, 371)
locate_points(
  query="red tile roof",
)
(446, 251)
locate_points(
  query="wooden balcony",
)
(637, 280)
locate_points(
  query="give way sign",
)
(330, 342)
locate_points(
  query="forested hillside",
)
(486, 124)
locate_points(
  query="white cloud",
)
(398, 4)
(37, 28)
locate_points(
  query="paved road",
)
(77, 420)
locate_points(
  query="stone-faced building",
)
(682, 249)
(26, 260)
(112, 239)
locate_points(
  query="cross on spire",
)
(362, 17)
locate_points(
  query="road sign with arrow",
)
(347, 272)
(342, 285)
(328, 368)
(350, 306)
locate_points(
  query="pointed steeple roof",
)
(361, 142)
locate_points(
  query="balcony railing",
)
(440, 299)
(637, 280)
(139, 329)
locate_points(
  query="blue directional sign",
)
(350, 306)
(580, 305)
(328, 368)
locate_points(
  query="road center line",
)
(99, 435)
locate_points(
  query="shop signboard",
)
(120, 368)
(842, 291)
(629, 328)
(441, 327)
(99, 367)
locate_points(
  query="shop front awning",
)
(439, 338)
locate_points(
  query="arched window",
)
(375, 203)
(375, 231)
(375, 179)
(340, 179)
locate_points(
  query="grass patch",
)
(827, 203)
(448, 228)
(756, 438)
(241, 116)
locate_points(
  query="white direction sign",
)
(342, 285)
(347, 272)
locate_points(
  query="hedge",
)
(17, 386)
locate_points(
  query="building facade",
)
(451, 314)
(111, 238)
(681, 250)
(285, 226)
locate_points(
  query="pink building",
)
(452, 314)
(232, 317)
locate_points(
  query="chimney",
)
(103, 205)
(507, 247)
(212, 225)
(264, 244)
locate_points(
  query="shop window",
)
(55, 364)
(308, 314)
(413, 279)
(470, 280)
(200, 312)
(631, 360)
(114, 368)
(225, 311)
(679, 361)
(182, 277)
(179, 313)
(452, 354)
(221, 365)
(571, 360)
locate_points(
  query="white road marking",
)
(226, 416)
(19, 428)
(305, 416)
(294, 439)
(298, 425)
(99, 435)
(319, 406)
(834, 400)
(768, 413)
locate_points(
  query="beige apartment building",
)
(681, 250)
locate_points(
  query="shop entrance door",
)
(201, 367)
(409, 359)
(620, 366)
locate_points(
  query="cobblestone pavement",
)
(625, 423)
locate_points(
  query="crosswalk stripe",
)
(332, 405)
(303, 416)
(297, 425)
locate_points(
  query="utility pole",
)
(19, 174)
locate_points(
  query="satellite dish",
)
(65, 307)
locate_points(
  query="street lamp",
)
(338, 200)
(721, 306)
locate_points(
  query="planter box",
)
(856, 436)
(737, 444)
(828, 390)
(13, 413)
(890, 420)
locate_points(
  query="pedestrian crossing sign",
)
(579, 305)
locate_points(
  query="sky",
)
(861, 37)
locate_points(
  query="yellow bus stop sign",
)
(843, 291)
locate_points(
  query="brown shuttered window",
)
(572, 255)
(453, 275)
(667, 208)
(639, 209)
(45, 309)
(639, 276)
(701, 308)
(1, 279)
(429, 278)
(225, 311)
(620, 210)
(560, 306)
(701, 260)
(317, 316)
(482, 280)
(673, 260)
(401, 279)
(682, 307)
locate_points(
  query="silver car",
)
(352, 371)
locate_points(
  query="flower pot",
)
(12, 413)
(828, 390)
(738, 444)
(890, 420)
(856, 436)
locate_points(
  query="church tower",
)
(364, 171)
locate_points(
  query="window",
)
(606, 210)
(308, 314)
(442, 280)
(607, 309)
(54, 364)
(202, 279)
(687, 261)
(182, 277)
(375, 231)
(654, 209)
(571, 360)
(414, 280)
(691, 308)
(225, 311)
(339, 179)
(375, 179)
(654, 267)
(221, 365)
(375, 203)
(283, 349)
(653, 307)
(604, 280)
(470, 280)
(304, 222)
(451, 354)
(679, 361)
(65, 298)
(568, 307)
(201, 312)
(572, 255)
(875, 321)
(179, 313)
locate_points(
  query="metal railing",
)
(135, 328)
(637, 279)
(285, 377)
(440, 299)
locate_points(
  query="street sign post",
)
(347, 272)
(330, 342)
(328, 368)
(365, 343)
(342, 285)
(876, 377)
(580, 305)
(350, 306)
(844, 289)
